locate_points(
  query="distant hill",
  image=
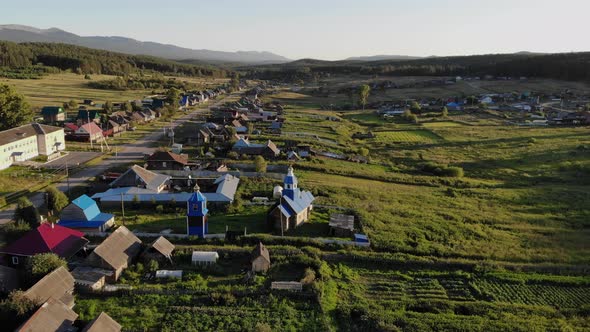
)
(383, 57)
(21, 33)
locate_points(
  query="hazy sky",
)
(324, 29)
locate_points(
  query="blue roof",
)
(361, 238)
(88, 206)
(197, 197)
(96, 222)
(302, 200)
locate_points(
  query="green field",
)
(441, 124)
(409, 136)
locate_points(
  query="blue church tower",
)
(290, 185)
(196, 214)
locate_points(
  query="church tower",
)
(290, 184)
(196, 214)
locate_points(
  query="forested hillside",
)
(566, 66)
(24, 56)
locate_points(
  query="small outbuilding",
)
(204, 257)
(260, 258)
(169, 274)
(160, 251)
(341, 225)
(102, 323)
(294, 286)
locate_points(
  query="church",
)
(196, 214)
(294, 206)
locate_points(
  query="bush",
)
(26, 212)
(56, 200)
(442, 170)
(42, 264)
(160, 208)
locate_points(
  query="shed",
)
(102, 323)
(294, 286)
(204, 257)
(90, 278)
(341, 225)
(260, 258)
(160, 250)
(169, 274)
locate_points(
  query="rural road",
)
(125, 155)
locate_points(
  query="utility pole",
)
(122, 209)
(68, 179)
(89, 129)
(281, 214)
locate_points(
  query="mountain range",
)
(22, 33)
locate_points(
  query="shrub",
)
(56, 200)
(42, 264)
(26, 212)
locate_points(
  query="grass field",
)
(59, 88)
(410, 136)
(440, 124)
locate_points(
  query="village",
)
(210, 201)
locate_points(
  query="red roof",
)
(62, 241)
(71, 126)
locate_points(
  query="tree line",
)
(565, 66)
(91, 61)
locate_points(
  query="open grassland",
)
(60, 88)
(410, 136)
(523, 197)
(57, 89)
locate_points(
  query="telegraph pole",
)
(68, 179)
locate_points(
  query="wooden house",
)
(83, 214)
(116, 252)
(52, 316)
(57, 285)
(102, 323)
(160, 251)
(260, 258)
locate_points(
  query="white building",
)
(29, 141)
(204, 257)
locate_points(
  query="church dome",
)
(277, 192)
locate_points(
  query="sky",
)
(323, 29)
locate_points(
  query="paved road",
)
(125, 155)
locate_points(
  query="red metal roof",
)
(59, 240)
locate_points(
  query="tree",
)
(364, 91)
(234, 83)
(260, 164)
(56, 200)
(173, 96)
(14, 110)
(71, 105)
(108, 106)
(415, 107)
(126, 107)
(26, 212)
(445, 112)
(42, 264)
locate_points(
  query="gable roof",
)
(53, 315)
(169, 156)
(25, 131)
(62, 241)
(91, 127)
(151, 179)
(260, 251)
(163, 246)
(88, 205)
(57, 285)
(102, 323)
(119, 248)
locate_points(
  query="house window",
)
(14, 260)
(163, 164)
(196, 207)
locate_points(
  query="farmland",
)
(409, 136)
